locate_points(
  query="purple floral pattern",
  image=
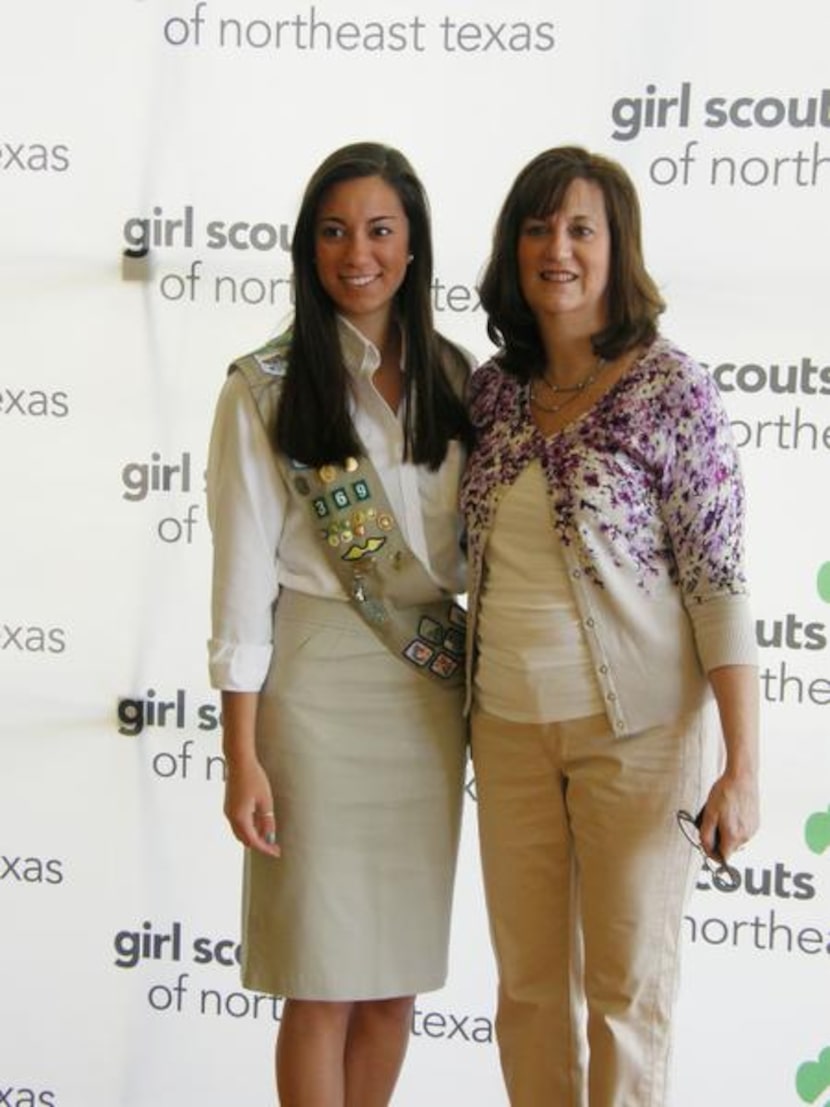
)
(647, 481)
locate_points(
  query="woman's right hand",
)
(249, 807)
(249, 802)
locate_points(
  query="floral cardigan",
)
(646, 497)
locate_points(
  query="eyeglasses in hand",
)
(723, 875)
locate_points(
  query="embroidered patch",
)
(431, 630)
(320, 506)
(457, 616)
(419, 653)
(374, 611)
(444, 665)
(340, 497)
(361, 490)
(364, 549)
(273, 363)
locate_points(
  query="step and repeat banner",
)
(152, 156)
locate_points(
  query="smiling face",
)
(564, 259)
(361, 248)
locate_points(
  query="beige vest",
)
(383, 579)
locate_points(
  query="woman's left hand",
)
(730, 815)
(731, 812)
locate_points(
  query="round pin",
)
(327, 473)
(385, 521)
(350, 464)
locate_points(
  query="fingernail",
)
(271, 837)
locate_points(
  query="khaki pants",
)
(586, 876)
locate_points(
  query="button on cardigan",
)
(645, 493)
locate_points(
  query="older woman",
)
(608, 608)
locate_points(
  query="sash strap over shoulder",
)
(383, 579)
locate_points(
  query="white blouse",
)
(533, 661)
(264, 540)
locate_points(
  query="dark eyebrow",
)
(544, 218)
(374, 218)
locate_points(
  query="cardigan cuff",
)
(724, 631)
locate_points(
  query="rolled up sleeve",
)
(246, 500)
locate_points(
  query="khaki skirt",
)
(366, 761)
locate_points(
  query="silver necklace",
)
(593, 373)
(571, 393)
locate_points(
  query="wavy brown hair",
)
(634, 302)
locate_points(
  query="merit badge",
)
(418, 652)
(444, 665)
(374, 611)
(431, 630)
(272, 362)
(363, 549)
(457, 616)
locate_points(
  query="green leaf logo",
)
(817, 831)
(813, 1078)
(823, 582)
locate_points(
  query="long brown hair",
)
(634, 302)
(314, 423)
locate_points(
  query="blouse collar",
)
(361, 356)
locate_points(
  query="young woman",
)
(332, 486)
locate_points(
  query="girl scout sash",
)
(383, 579)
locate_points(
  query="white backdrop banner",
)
(187, 130)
